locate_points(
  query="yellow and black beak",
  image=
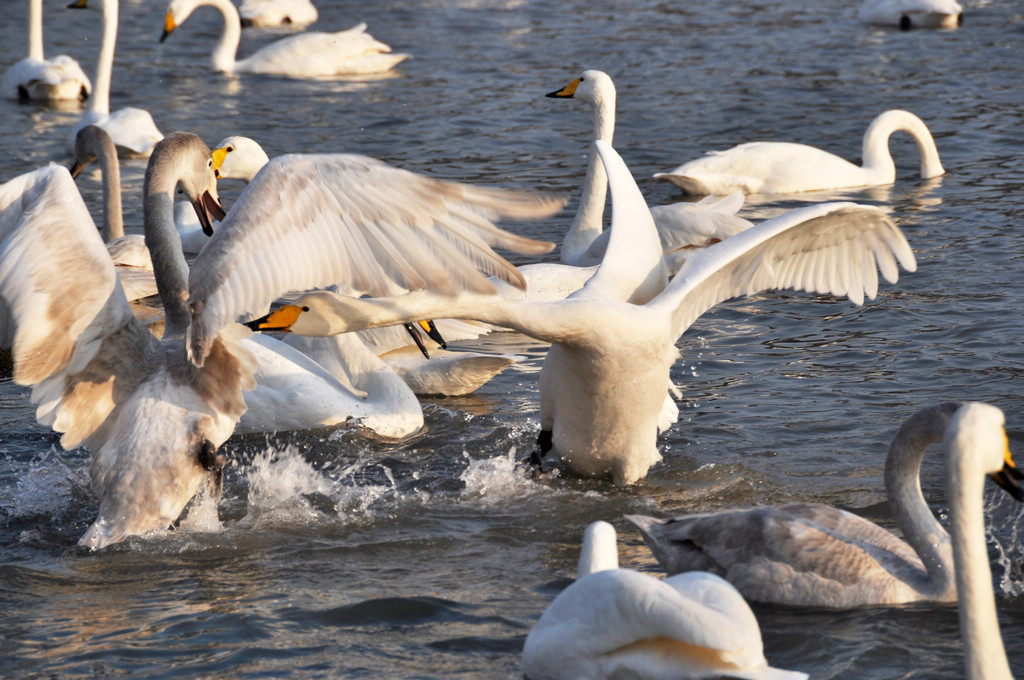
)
(79, 4)
(219, 154)
(169, 26)
(281, 319)
(567, 91)
(431, 330)
(1009, 478)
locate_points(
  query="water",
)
(335, 554)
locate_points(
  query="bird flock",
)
(152, 361)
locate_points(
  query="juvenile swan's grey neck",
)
(902, 483)
(172, 158)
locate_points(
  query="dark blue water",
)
(334, 554)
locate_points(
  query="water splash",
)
(497, 479)
(49, 487)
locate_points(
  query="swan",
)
(36, 78)
(605, 380)
(260, 13)
(815, 555)
(93, 143)
(617, 623)
(132, 129)
(783, 167)
(682, 227)
(153, 411)
(908, 14)
(352, 52)
(438, 372)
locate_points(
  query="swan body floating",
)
(908, 14)
(132, 129)
(262, 13)
(153, 411)
(36, 78)
(442, 373)
(604, 386)
(784, 167)
(352, 52)
(618, 623)
(815, 555)
(683, 227)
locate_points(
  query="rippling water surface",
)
(334, 554)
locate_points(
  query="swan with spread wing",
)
(605, 389)
(154, 411)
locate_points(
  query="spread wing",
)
(61, 307)
(827, 248)
(311, 221)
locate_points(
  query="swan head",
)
(314, 314)
(91, 142)
(184, 156)
(238, 158)
(592, 87)
(177, 12)
(980, 429)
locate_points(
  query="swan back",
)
(259, 13)
(614, 623)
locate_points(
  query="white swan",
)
(260, 13)
(682, 227)
(816, 555)
(783, 167)
(153, 412)
(441, 373)
(619, 623)
(132, 129)
(37, 78)
(604, 383)
(908, 14)
(352, 52)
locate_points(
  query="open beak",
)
(208, 208)
(76, 169)
(430, 329)
(567, 91)
(169, 26)
(281, 319)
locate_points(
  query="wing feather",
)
(827, 248)
(312, 221)
(61, 307)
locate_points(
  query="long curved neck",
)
(35, 29)
(984, 655)
(599, 551)
(113, 219)
(169, 266)
(227, 47)
(903, 487)
(99, 101)
(875, 152)
(589, 221)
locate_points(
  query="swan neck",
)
(224, 54)
(588, 223)
(35, 30)
(599, 551)
(99, 100)
(903, 488)
(113, 219)
(984, 654)
(169, 266)
(875, 151)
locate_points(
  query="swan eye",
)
(230, 149)
(305, 309)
